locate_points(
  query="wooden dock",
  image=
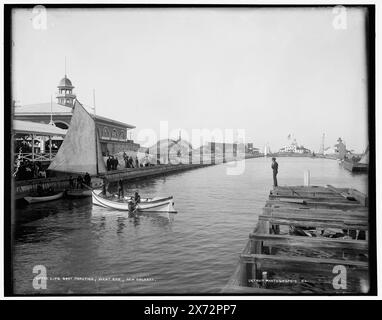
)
(24, 188)
(308, 240)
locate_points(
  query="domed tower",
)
(65, 94)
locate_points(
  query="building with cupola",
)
(113, 133)
(294, 147)
(65, 96)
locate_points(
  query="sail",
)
(365, 157)
(80, 152)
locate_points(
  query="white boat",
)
(146, 205)
(44, 198)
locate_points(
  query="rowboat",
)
(157, 204)
(78, 193)
(44, 198)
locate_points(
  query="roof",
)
(65, 82)
(43, 108)
(58, 109)
(30, 127)
(118, 123)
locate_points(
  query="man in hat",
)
(275, 168)
(108, 163)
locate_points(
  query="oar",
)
(87, 187)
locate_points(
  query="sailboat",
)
(365, 157)
(80, 152)
(362, 166)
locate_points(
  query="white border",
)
(378, 133)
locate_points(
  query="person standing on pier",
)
(108, 164)
(71, 182)
(131, 162)
(136, 162)
(80, 181)
(125, 158)
(87, 179)
(275, 168)
(111, 162)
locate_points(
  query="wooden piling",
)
(158, 152)
(213, 153)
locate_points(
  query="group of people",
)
(80, 181)
(27, 170)
(112, 163)
(121, 194)
(130, 162)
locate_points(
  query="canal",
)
(92, 250)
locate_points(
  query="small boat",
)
(35, 199)
(157, 204)
(79, 193)
(355, 166)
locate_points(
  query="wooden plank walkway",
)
(304, 239)
(24, 188)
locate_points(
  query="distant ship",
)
(361, 166)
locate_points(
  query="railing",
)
(33, 157)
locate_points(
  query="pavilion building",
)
(112, 133)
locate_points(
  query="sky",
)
(269, 72)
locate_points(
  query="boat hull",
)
(45, 198)
(355, 167)
(146, 205)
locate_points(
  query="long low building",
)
(36, 141)
(29, 127)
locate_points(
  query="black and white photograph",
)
(183, 150)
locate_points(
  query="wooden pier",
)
(308, 240)
(24, 188)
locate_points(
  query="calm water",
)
(110, 252)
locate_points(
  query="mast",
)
(95, 132)
(51, 112)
